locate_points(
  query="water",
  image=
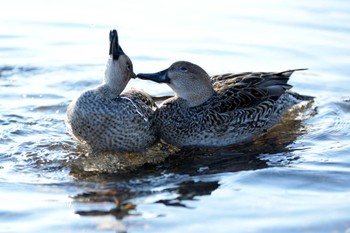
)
(295, 179)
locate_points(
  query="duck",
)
(107, 119)
(220, 110)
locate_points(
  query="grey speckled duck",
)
(107, 120)
(222, 109)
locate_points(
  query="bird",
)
(107, 119)
(220, 110)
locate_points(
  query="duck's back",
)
(123, 123)
(244, 106)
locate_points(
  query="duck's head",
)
(119, 69)
(188, 81)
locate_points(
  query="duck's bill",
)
(159, 77)
(114, 48)
(133, 75)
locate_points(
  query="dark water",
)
(294, 179)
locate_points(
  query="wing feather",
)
(249, 89)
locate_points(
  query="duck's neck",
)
(113, 83)
(197, 96)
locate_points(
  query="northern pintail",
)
(106, 120)
(222, 109)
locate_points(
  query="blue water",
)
(294, 179)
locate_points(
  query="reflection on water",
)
(120, 211)
(292, 179)
(189, 190)
(186, 190)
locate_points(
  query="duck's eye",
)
(128, 66)
(184, 69)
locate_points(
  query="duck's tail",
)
(288, 73)
(301, 97)
(298, 96)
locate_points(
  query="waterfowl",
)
(222, 109)
(104, 118)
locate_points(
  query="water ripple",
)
(294, 178)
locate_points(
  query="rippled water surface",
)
(294, 179)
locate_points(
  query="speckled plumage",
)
(106, 120)
(112, 124)
(238, 107)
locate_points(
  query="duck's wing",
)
(248, 89)
(140, 97)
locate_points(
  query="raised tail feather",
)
(288, 73)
